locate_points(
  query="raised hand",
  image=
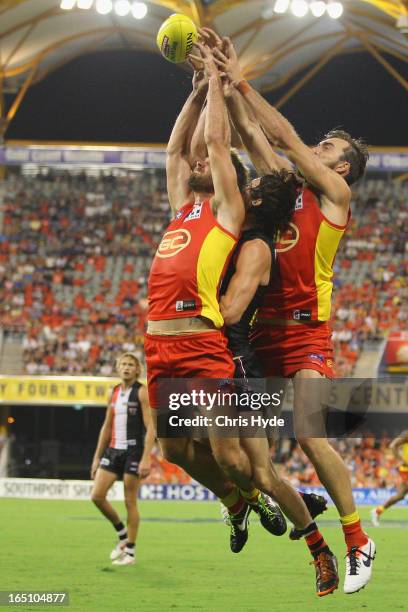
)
(207, 59)
(210, 37)
(227, 61)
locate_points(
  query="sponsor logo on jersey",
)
(316, 357)
(302, 315)
(105, 461)
(173, 243)
(182, 305)
(195, 213)
(299, 202)
(288, 239)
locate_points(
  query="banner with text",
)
(143, 157)
(50, 390)
(41, 488)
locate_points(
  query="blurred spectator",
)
(371, 271)
(370, 461)
(74, 258)
(75, 252)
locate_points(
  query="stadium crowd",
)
(75, 252)
(371, 271)
(74, 258)
(370, 461)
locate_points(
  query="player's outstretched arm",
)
(198, 146)
(178, 149)
(104, 438)
(261, 153)
(252, 269)
(228, 199)
(254, 140)
(144, 465)
(282, 134)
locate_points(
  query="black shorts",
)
(121, 461)
(247, 365)
(250, 380)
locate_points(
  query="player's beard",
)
(202, 183)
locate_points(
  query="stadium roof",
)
(38, 37)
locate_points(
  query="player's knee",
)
(228, 459)
(130, 502)
(313, 447)
(266, 481)
(97, 498)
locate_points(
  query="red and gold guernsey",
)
(189, 265)
(301, 286)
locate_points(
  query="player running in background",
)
(123, 451)
(292, 337)
(399, 446)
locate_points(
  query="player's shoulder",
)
(256, 249)
(256, 239)
(114, 390)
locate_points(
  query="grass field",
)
(184, 561)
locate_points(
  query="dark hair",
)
(356, 154)
(241, 170)
(278, 191)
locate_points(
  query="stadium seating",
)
(74, 259)
(75, 251)
(371, 463)
(370, 271)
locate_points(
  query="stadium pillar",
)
(372, 49)
(6, 119)
(2, 109)
(4, 425)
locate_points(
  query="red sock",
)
(233, 501)
(316, 543)
(237, 507)
(354, 535)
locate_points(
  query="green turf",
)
(184, 564)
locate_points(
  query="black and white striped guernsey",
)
(128, 430)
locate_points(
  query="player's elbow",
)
(173, 154)
(284, 137)
(231, 316)
(216, 141)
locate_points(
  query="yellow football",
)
(176, 37)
